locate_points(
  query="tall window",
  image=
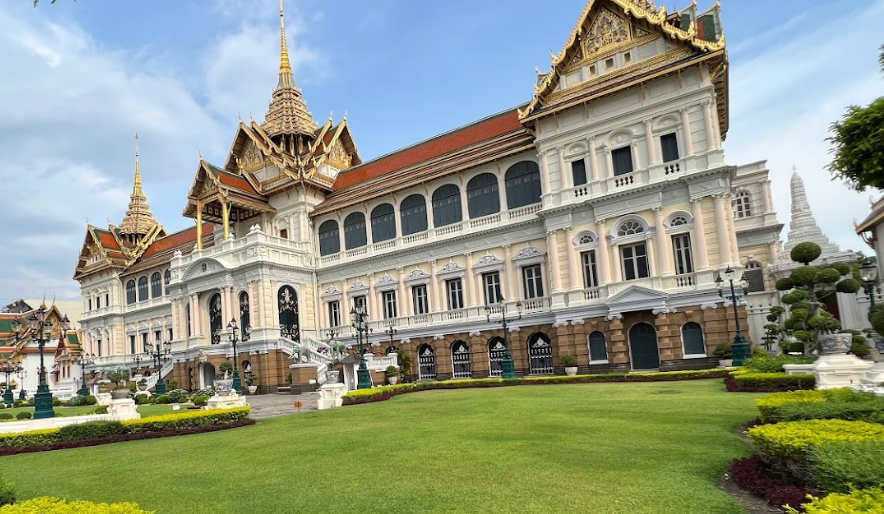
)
(598, 349)
(742, 205)
(413, 213)
(446, 206)
(354, 231)
(692, 335)
(635, 261)
(383, 223)
(187, 316)
(622, 158)
(216, 318)
(144, 342)
(578, 172)
(389, 300)
(454, 288)
(334, 314)
(169, 334)
(130, 292)
(167, 278)
(289, 314)
(156, 285)
(359, 302)
(98, 344)
(283, 233)
(142, 289)
(590, 271)
(522, 184)
(492, 287)
(669, 146)
(460, 360)
(754, 276)
(483, 197)
(533, 281)
(329, 238)
(90, 303)
(245, 316)
(419, 299)
(106, 299)
(426, 358)
(132, 349)
(681, 245)
(97, 302)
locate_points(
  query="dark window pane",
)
(578, 171)
(669, 145)
(329, 238)
(483, 197)
(692, 334)
(354, 231)
(446, 206)
(413, 211)
(522, 184)
(598, 350)
(622, 158)
(383, 223)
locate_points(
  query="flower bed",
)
(103, 432)
(870, 501)
(751, 475)
(749, 382)
(50, 505)
(377, 394)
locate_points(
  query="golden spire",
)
(286, 77)
(138, 220)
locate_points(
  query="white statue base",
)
(123, 409)
(330, 395)
(873, 380)
(103, 399)
(798, 369)
(229, 401)
(839, 370)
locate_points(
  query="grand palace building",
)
(595, 218)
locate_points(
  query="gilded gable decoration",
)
(607, 29)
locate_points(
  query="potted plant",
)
(223, 384)
(392, 373)
(120, 377)
(252, 382)
(570, 364)
(404, 360)
(725, 354)
(831, 341)
(142, 384)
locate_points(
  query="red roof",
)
(108, 240)
(484, 130)
(237, 182)
(177, 239)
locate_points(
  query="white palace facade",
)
(602, 212)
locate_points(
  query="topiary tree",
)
(805, 289)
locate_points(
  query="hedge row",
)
(869, 501)
(113, 431)
(796, 440)
(841, 403)
(50, 505)
(748, 382)
(382, 393)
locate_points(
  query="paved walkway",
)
(273, 405)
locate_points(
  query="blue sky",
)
(82, 77)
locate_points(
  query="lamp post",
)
(85, 360)
(740, 348)
(391, 331)
(868, 272)
(507, 369)
(233, 335)
(9, 368)
(22, 375)
(43, 399)
(158, 353)
(357, 318)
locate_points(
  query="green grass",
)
(145, 410)
(601, 448)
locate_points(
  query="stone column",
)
(567, 179)
(405, 306)
(652, 154)
(433, 290)
(652, 256)
(664, 250)
(766, 196)
(574, 267)
(511, 292)
(552, 249)
(686, 127)
(470, 279)
(225, 216)
(194, 314)
(714, 140)
(610, 162)
(724, 247)
(700, 256)
(604, 253)
(464, 203)
(371, 300)
(544, 174)
(397, 214)
(199, 225)
(732, 228)
(593, 159)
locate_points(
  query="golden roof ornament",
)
(138, 220)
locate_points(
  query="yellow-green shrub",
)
(45, 436)
(862, 501)
(769, 405)
(796, 439)
(50, 505)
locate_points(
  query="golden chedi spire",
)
(138, 221)
(288, 114)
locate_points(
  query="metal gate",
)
(540, 352)
(427, 361)
(215, 319)
(460, 358)
(643, 346)
(495, 356)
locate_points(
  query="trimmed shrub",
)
(177, 396)
(101, 409)
(5, 415)
(805, 253)
(775, 364)
(77, 401)
(91, 400)
(90, 430)
(7, 493)
(188, 420)
(860, 349)
(871, 410)
(209, 391)
(769, 406)
(768, 382)
(837, 464)
(50, 505)
(34, 437)
(18, 403)
(795, 440)
(24, 415)
(56, 402)
(862, 500)
(163, 399)
(200, 400)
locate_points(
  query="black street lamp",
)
(391, 331)
(233, 335)
(22, 375)
(507, 369)
(43, 399)
(740, 348)
(85, 360)
(9, 368)
(868, 272)
(357, 318)
(158, 353)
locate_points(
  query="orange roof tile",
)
(177, 239)
(108, 240)
(483, 130)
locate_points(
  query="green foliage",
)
(869, 409)
(177, 396)
(404, 359)
(5, 416)
(824, 323)
(101, 409)
(869, 501)
(569, 361)
(876, 318)
(803, 276)
(163, 399)
(859, 348)
(56, 402)
(842, 267)
(391, 371)
(839, 466)
(795, 440)
(776, 381)
(858, 148)
(774, 364)
(848, 285)
(724, 351)
(770, 405)
(7, 493)
(828, 275)
(33, 437)
(226, 367)
(91, 400)
(173, 384)
(23, 415)
(805, 253)
(90, 430)
(795, 297)
(200, 400)
(77, 401)
(253, 379)
(50, 505)
(200, 418)
(784, 284)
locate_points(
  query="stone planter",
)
(834, 344)
(223, 387)
(393, 379)
(142, 387)
(331, 377)
(120, 393)
(252, 389)
(571, 371)
(725, 363)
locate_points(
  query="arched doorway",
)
(427, 360)
(207, 375)
(460, 360)
(540, 355)
(287, 300)
(215, 318)
(496, 350)
(643, 350)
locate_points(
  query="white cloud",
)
(785, 96)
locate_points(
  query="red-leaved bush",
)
(751, 475)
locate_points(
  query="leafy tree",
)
(858, 144)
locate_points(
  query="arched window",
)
(289, 319)
(245, 318)
(483, 197)
(167, 278)
(496, 350)
(130, 292)
(354, 231)
(598, 348)
(446, 206)
(142, 289)
(329, 238)
(630, 227)
(586, 239)
(427, 359)
(460, 360)
(413, 212)
(754, 276)
(383, 223)
(187, 317)
(216, 318)
(692, 336)
(678, 220)
(156, 285)
(540, 355)
(522, 184)
(742, 205)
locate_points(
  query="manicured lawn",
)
(600, 448)
(145, 410)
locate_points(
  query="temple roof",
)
(138, 219)
(803, 227)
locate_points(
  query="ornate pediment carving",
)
(386, 280)
(332, 290)
(417, 274)
(357, 286)
(528, 252)
(339, 157)
(251, 159)
(488, 260)
(606, 30)
(451, 267)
